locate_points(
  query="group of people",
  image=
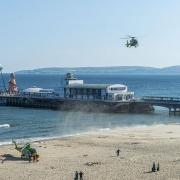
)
(154, 169)
(78, 176)
(28, 152)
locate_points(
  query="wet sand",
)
(95, 154)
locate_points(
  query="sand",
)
(95, 155)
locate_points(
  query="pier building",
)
(117, 92)
(77, 89)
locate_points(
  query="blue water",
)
(29, 124)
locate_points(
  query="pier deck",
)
(172, 103)
(60, 103)
(143, 105)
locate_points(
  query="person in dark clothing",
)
(81, 175)
(117, 152)
(158, 168)
(76, 176)
(154, 167)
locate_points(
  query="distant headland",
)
(124, 70)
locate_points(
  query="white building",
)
(76, 89)
(119, 92)
(38, 92)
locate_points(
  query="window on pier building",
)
(85, 93)
(78, 91)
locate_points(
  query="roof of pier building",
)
(37, 90)
(95, 86)
(32, 90)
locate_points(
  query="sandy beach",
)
(95, 155)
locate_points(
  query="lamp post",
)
(1, 68)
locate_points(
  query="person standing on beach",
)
(117, 152)
(154, 167)
(81, 175)
(76, 176)
(158, 168)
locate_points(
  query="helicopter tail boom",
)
(127, 44)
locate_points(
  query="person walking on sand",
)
(154, 167)
(117, 152)
(76, 176)
(81, 175)
(158, 168)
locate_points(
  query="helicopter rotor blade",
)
(143, 36)
(125, 38)
(132, 37)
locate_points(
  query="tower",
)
(70, 79)
(12, 84)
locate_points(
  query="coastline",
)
(140, 146)
(92, 131)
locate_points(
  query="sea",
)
(28, 124)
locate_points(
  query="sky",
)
(78, 33)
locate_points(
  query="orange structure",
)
(12, 84)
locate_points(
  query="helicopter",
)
(131, 41)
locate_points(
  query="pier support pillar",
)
(169, 110)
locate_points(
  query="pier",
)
(70, 104)
(30, 101)
(172, 103)
(142, 105)
(79, 96)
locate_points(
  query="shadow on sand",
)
(148, 172)
(9, 157)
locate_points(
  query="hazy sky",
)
(61, 33)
